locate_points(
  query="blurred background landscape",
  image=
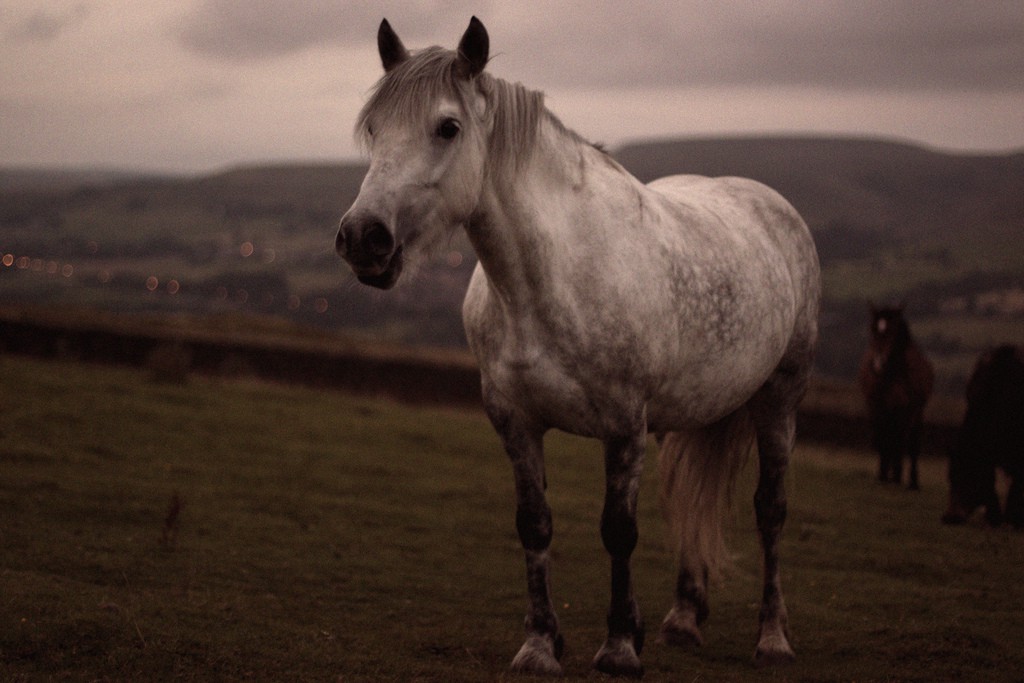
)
(248, 501)
(251, 248)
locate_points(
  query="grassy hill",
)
(237, 530)
(892, 222)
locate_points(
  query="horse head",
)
(889, 332)
(424, 127)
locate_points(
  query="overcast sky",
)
(197, 85)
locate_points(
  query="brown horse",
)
(992, 436)
(897, 380)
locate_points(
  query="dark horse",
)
(896, 379)
(992, 436)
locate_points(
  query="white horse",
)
(686, 308)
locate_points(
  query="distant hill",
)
(891, 221)
(56, 179)
(853, 191)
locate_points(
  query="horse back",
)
(741, 204)
(767, 210)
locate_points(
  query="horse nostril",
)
(339, 242)
(378, 240)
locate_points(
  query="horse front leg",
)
(620, 654)
(543, 647)
(1015, 502)
(914, 447)
(879, 442)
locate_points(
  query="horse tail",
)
(698, 470)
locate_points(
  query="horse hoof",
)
(538, 656)
(773, 651)
(618, 658)
(679, 629)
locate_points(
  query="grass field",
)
(322, 537)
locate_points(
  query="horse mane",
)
(403, 95)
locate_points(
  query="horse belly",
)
(559, 400)
(704, 391)
(721, 359)
(582, 395)
(590, 395)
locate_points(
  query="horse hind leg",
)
(681, 627)
(681, 461)
(773, 410)
(697, 472)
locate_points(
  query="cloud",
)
(227, 29)
(921, 45)
(44, 26)
(201, 83)
(876, 44)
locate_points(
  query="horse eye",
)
(448, 129)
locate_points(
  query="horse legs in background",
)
(891, 436)
(1015, 502)
(624, 458)
(913, 437)
(897, 432)
(543, 647)
(882, 438)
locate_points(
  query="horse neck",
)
(895, 365)
(904, 376)
(522, 223)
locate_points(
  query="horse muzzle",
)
(369, 247)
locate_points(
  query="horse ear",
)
(392, 52)
(473, 49)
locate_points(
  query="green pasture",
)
(217, 530)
